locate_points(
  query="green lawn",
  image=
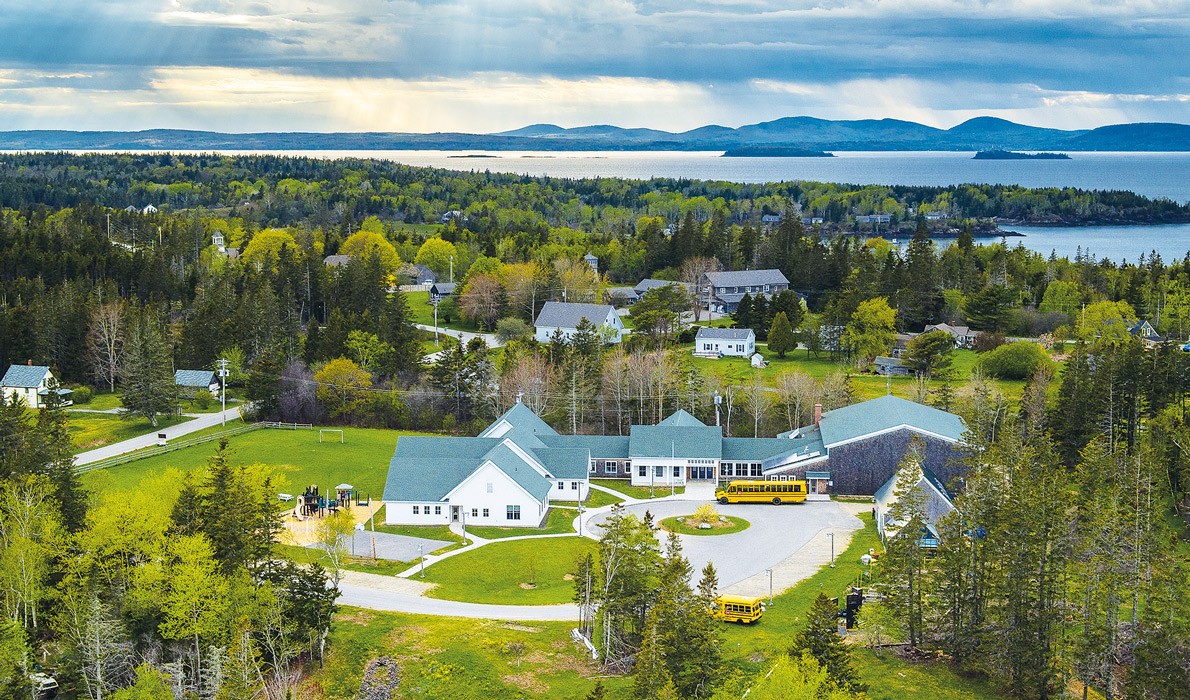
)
(309, 555)
(595, 499)
(519, 572)
(890, 677)
(91, 430)
(557, 521)
(361, 461)
(444, 657)
(675, 524)
(422, 311)
(102, 402)
(631, 491)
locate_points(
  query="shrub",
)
(705, 513)
(202, 399)
(986, 342)
(1018, 360)
(511, 328)
(82, 394)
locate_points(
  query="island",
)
(774, 152)
(1015, 155)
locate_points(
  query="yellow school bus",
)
(775, 492)
(738, 608)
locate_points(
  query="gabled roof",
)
(746, 278)
(564, 463)
(443, 288)
(682, 419)
(528, 478)
(599, 446)
(676, 441)
(428, 468)
(649, 283)
(519, 418)
(562, 314)
(200, 378)
(724, 334)
(887, 413)
(425, 271)
(24, 376)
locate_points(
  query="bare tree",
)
(920, 389)
(531, 378)
(579, 282)
(796, 391)
(757, 400)
(525, 285)
(483, 300)
(105, 342)
(691, 273)
(617, 387)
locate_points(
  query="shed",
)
(189, 381)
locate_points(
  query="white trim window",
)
(417, 510)
(512, 513)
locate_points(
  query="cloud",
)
(418, 64)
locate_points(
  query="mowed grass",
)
(361, 461)
(89, 431)
(444, 657)
(518, 572)
(890, 677)
(677, 525)
(641, 492)
(558, 521)
(595, 499)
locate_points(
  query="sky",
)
(491, 65)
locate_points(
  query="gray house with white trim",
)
(721, 292)
(724, 342)
(566, 316)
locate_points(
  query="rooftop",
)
(562, 314)
(746, 278)
(724, 334)
(24, 376)
(201, 378)
(887, 413)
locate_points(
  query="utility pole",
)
(223, 372)
(452, 269)
(435, 324)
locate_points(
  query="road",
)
(465, 336)
(377, 592)
(200, 422)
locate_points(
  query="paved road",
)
(777, 534)
(201, 421)
(403, 595)
(466, 336)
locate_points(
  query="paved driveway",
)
(776, 535)
(390, 546)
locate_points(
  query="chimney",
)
(817, 414)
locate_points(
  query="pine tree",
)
(599, 692)
(149, 388)
(904, 565)
(651, 673)
(781, 338)
(820, 639)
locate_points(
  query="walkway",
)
(200, 421)
(405, 595)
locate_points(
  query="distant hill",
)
(808, 133)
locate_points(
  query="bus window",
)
(797, 488)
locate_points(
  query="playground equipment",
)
(313, 504)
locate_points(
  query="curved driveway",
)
(776, 535)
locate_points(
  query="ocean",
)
(1150, 174)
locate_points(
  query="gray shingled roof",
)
(602, 446)
(426, 469)
(681, 419)
(746, 278)
(443, 288)
(560, 314)
(885, 413)
(197, 378)
(691, 442)
(723, 334)
(336, 260)
(24, 376)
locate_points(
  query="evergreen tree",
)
(781, 338)
(651, 672)
(820, 639)
(149, 388)
(905, 564)
(742, 316)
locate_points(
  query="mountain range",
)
(980, 133)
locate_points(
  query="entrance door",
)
(454, 513)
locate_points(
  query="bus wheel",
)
(776, 501)
(723, 500)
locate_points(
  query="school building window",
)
(485, 512)
(437, 510)
(417, 510)
(513, 513)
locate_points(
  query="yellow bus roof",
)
(739, 599)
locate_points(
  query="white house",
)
(189, 381)
(506, 476)
(33, 385)
(724, 342)
(963, 336)
(565, 316)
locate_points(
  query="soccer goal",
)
(323, 431)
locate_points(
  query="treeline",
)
(1061, 566)
(174, 590)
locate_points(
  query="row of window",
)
(417, 510)
(710, 347)
(610, 466)
(573, 486)
(475, 512)
(741, 469)
(510, 513)
(658, 471)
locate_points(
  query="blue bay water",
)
(1150, 174)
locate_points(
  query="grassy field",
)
(89, 431)
(442, 657)
(890, 677)
(631, 491)
(595, 499)
(675, 524)
(519, 572)
(309, 555)
(361, 461)
(739, 371)
(557, 521)
(422, 311)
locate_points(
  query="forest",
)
(1075, 476)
